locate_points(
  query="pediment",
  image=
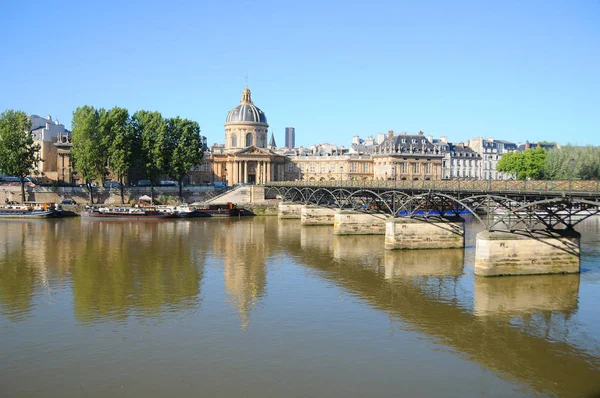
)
(252, 150)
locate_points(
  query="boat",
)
(126, 213)
(223, 210)
(30, 210)
(182, 211)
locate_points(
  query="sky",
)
(512, 70)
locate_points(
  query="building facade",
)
(491, 151)
(45, 133)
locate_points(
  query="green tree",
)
(150, 130)
(185, 148)
(573, 162)
(18, 153)
(528, 165)
(87, 150)
(122, 145)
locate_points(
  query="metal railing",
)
(532, 186)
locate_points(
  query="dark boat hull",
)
(27, 214)
(127, 216)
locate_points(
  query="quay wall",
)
(101, 195)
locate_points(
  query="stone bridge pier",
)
(527, 253)
(431, 233)
(352, 222)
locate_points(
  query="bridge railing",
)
(540, 186)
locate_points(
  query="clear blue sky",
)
(511, 70)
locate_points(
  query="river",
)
(258, 307)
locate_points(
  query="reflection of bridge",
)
(536, 217)
(410, 294)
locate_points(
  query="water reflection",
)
(441, 262)
(423, 290)
(525, 294)
(243, 247)
(115, 268)
(131, 267)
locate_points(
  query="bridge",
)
(529, 225)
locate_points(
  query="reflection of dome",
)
(246, 111)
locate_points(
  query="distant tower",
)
(290, 137)
(272, 144)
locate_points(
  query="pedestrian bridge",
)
(529, 225)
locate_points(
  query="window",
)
(365, 167)
(353, 167)
(428, 168)
(416, 168)
(312, 168)
(234, 141)
(331, 167)
(323, 168)
(403, 167)
(248, 139)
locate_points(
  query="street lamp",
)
(571, 163)
(341, 173)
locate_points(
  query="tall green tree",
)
(18, 153)
(87, 151)
(185, 149)
(573, 162)
(528, 165)
(150, 130)
(122, 145)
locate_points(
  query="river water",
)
(260, 307)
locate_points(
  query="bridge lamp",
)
(341, 173)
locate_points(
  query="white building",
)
(491, 151)
(45, 133)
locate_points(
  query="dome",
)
(246, 111)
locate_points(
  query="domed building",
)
(245, 157)
(246, 125)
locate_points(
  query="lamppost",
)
(341, 173)
(395, 164)
(571, 163)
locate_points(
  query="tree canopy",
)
(18, 153)
(527, 165)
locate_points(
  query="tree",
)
(18, 153)
(526, 165)
(150, 130)
(121, 148)
(185, 148)
(87, 150)
(573, 162)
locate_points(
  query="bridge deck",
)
(588, 189)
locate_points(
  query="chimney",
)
(430, 138)
(444, 139)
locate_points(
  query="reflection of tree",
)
(30, 250)
(16, 287)
(244, 247)
(144, 267)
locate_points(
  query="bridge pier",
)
(351, 222)
(504, 253)
(316, 215)
(289, 210)
(439, 233)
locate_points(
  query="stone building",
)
(245, 157)
(45, 133)
(461, 162)
(491, 151)
(407, 157)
